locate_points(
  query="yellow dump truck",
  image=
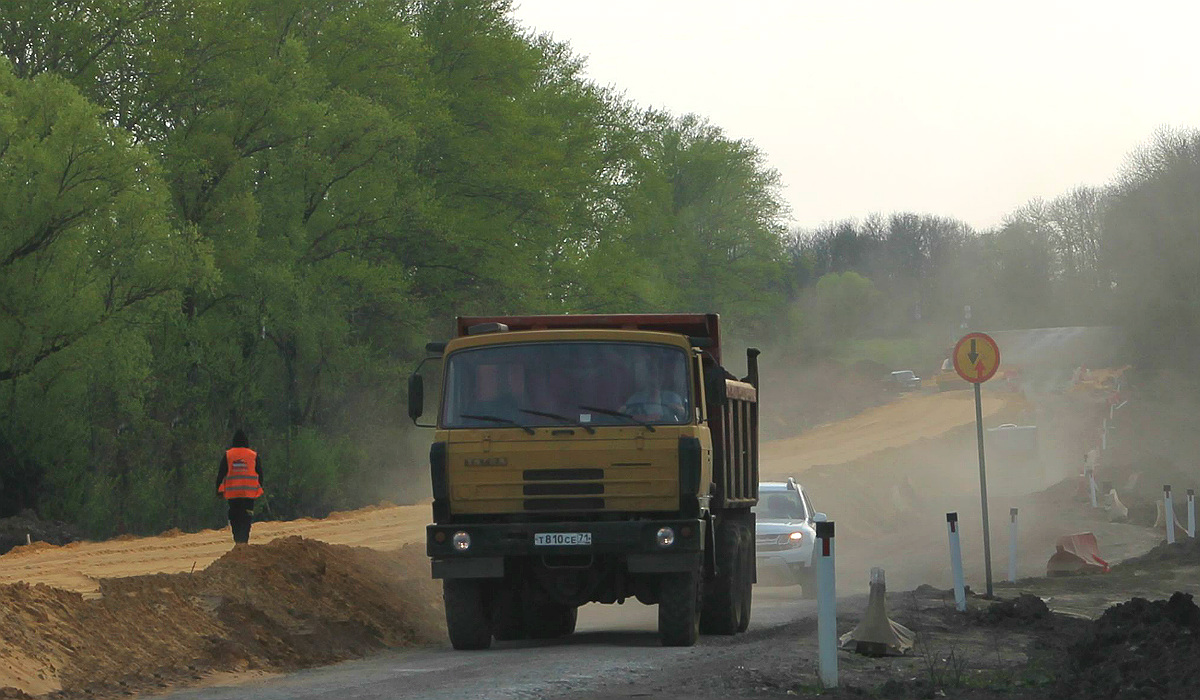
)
(591, 458)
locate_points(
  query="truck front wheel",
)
(679, 608)
(467, 620)
(508, 621)
(550, 621)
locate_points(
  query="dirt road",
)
(878, 474)
(79, 566)
(908, 419)
(615, 649)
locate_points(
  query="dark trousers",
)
(241, 514)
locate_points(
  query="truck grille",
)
(589, 473)
(584, 489)
(564, 504)
(581, 481)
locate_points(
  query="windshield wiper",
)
(497, 419)
(619, 414)
(578, 424)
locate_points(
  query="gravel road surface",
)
(614, 653)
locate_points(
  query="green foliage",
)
(1152, 235)
(893, 353)
(253, 213)
(841, 304)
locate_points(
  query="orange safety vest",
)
(241, 481)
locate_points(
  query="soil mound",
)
(13, 531)
(1022, 611)
(1184, 551)
(280, 606)
(1138, 649)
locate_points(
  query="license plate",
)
(562, 539)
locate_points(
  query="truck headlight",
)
(795, 540)
(665, 537)
(461, 541)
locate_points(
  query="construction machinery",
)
(591, 458)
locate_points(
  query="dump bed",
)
(692, 325)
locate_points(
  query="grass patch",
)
(895, 353)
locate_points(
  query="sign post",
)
(976, 359)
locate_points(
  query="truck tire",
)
(508, 621)
(569, 618)
(750, 563)
(467, 620)
(679, 608)
(722, 611)
(551, 621)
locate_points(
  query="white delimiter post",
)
(827, 640)
(1012, 544)
(1191, 513)
(1091, 475)
(1169, 507)
(960, 593)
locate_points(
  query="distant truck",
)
(587, 459)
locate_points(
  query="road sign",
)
(976, 357)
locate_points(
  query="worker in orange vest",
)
(240, 482)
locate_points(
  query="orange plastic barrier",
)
(1076, 554)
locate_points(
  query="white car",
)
(785, 535)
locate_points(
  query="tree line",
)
(1124, 254)
(254, 213)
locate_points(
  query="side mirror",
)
(416, 397)
(820, 518)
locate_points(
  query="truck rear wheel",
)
(723, 596)
(748, 564)
(467, 620)
(679, 608)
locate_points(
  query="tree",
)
(1152, 235)
(88, 259)
(842, 305)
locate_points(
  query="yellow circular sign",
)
(976, 357)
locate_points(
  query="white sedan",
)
(785, 535)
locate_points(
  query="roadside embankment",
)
(284, 605)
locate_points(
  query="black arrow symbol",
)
(972, 356)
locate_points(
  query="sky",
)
(964, 109)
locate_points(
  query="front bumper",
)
(784, 566)
(632, 540)
(777, 571)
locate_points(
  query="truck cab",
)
(582, 459)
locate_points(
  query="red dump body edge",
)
(694, 325)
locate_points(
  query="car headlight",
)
(461, 541)
(794, 540)
(665, 537)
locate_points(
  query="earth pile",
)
(285, 605)
(1139, 649)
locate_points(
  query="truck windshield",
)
(577, 383)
